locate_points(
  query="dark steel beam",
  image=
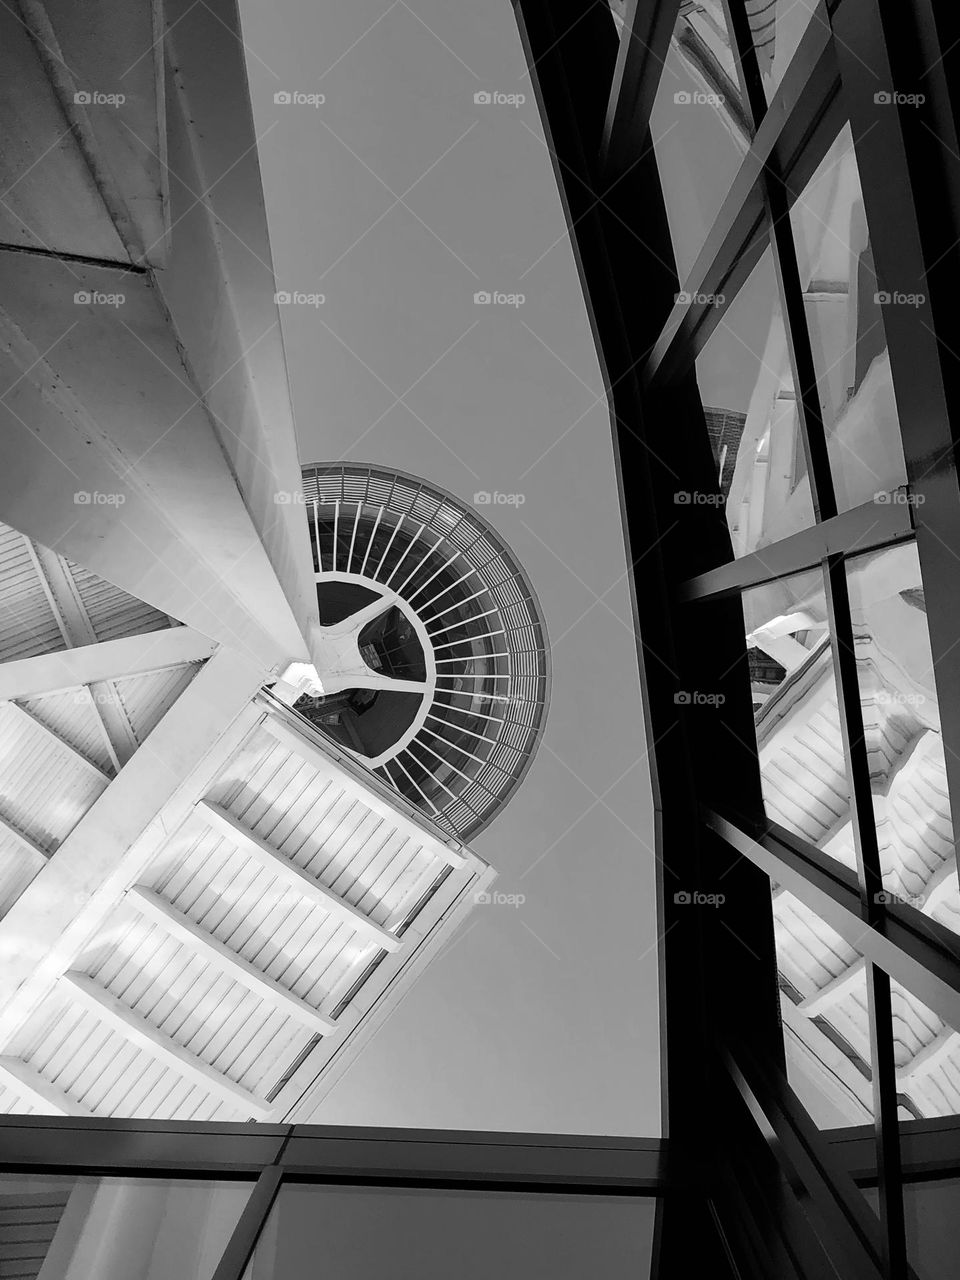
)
(792, 138)
(864, 528)
(872, 899)
(239, 1248)
(647, 28)
(912, 948)
(930, 1149)
(555, 1162)
(848, 1229)
(130, 1146)
(911, 189)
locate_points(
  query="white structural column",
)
(107, 849)
(199, 939)
(139, 1031)
(282, 867)
(146, 430)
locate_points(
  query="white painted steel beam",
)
(108, 660)
(185, 930)
(135, 1028)
(281, 866)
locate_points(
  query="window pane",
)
(802, 767)
(434, 1235)
(933, 1227)
(823, 1002)
(927, 1055)
(115, 1228)
(747, 388)
(777, 27)
(901, 719)
(844, 308)
(698, 127)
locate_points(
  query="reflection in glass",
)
(115, 1228)
(799, 741)
(698, 127)
(933, 1227)
(777, 27)
(367, 1233)
(901, 718)
(927, 1056)
(823, 1003)
(747, 388)
(844, 308)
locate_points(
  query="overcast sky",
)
(397, 199)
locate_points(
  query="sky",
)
(395, 197)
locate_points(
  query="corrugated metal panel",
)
(147, 698)
(72, 716)
(809, 953)
(44, 789)
(29, 1219)
(112, 612)
(17, 869)
(375, 863)
(28, 624)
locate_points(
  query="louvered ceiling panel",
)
(44, 789)
(72, 715)
(17, 869)
(113, 612)
(216, 973)
(146, 699)
(28, 624)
